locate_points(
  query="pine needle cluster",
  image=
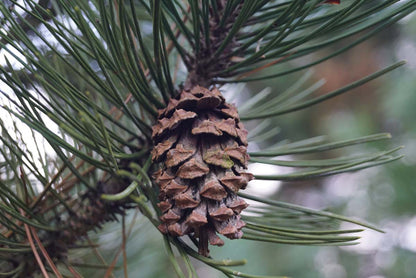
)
(126, 96)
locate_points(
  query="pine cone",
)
(202, 145)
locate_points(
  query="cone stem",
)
(203, 242)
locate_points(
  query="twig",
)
(113, 263)
(32, 245)
(73, 271)
(45, 253)
(97, 253)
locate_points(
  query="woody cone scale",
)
(202, 147)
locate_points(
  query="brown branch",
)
(45, 253)
(33, 247)
(73, 271)
(113, 263)
(97, 253)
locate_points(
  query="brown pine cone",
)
(201, 144)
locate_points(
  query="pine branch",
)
(96, 81)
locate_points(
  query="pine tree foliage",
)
(100, 83)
